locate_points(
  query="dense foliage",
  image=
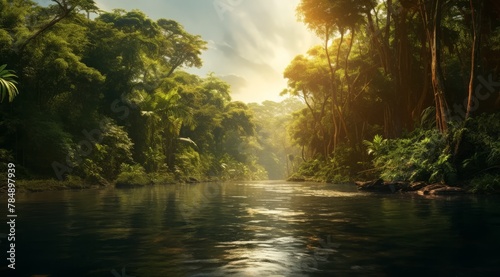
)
(398, 90)
(107, 99)
(403, 90)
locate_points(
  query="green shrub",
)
(161, 178)
(341, 167)
(50, 184)
(102, 161)
(309, 169)
(487, 183)
(188, 163)
(422, 155)
(231, 169)
(132, 175)
(480, 148)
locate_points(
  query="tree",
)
(309, 80)
(273, 144)
(327, 18)
(165, 117)
(62, 9)
(432, 14)
(476, 8)
(183, 48)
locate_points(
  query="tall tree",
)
(476, 8)
(432, 14)
(61, 9)
(326, 19)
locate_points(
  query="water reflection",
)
(255, 229)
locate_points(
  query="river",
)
(267, 228)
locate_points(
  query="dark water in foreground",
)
(253, 229)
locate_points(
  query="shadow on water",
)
(254, 229)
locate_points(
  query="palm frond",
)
(7, 84)
(189, 140)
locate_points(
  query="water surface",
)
(254, 229)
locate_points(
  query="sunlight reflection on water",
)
(255, 229)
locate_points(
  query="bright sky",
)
(250, 41)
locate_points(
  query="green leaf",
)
(7, 84)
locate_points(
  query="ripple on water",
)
(331, 193)
(259, 257)
(283, 212)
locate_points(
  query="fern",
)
(421, 156)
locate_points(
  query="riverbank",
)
(39, 185)
(50, 185)
(421, 188)
(376, 186)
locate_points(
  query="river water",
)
(253, 229)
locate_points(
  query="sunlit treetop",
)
(323, 16)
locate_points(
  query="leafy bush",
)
(479, 155)
(92, 172)
(100, 160)
(161, 177)
(155, 159)
(132, 175)
(188, 164)
(5, 158)
(480, 151)
(45, 141)
(50, 184)
(422, 156)
(487, 183)
(135, 175)
(308, 169)
(235, 170)
(335, 170)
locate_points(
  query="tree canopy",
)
(394, 86)
(394, 69)
(106, 98)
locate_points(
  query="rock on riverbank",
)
(421, 188)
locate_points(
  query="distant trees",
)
(274, 147)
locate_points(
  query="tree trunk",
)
(436, 71)
(65, 12)
(476, 16)
(432, 15)
(334, 105)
